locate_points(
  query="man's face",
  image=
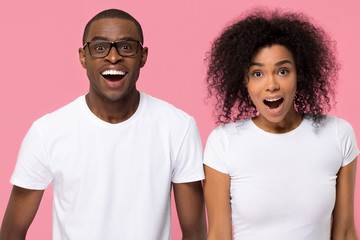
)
(113, 77)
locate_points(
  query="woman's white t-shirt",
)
(283, 186)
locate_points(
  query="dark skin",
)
(20, 212)
(190, 206)
(113, 102)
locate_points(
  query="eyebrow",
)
(97, 38)
(276, 64)
(282, 62)
(256, 64)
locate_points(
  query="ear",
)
(82, 57)
(144, 54)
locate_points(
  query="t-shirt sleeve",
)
(214, 154)
(188, 165)
(32, 169)
(347, 142)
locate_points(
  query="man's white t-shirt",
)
(282, 186)
(111, 181)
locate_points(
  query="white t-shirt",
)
(282, 186)
(111, 181)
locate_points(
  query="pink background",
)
(40, 71)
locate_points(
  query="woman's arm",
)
(343, 227)
(217, 198)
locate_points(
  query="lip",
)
(114, 67)
(113, 72)
(272, 97)
(113, 84)
(273, 111)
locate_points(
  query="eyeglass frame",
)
(113, 44)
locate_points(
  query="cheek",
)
(254, 93)
(255, 99)
(91, 67)
(293, 88)
(92, 75)
(294, 82)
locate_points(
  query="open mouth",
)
(113, 75)
(273, 103)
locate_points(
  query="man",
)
(111, 155)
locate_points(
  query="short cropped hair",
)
(231, 53)
(113, 13)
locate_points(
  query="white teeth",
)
(273, 100)
(112, 72)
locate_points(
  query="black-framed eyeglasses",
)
(125, 48)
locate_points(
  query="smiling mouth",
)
(113, 75)
(273, 103)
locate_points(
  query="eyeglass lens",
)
(102, 48)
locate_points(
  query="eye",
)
(283, 72)
(257, 74)
(127, 47)
(99, 47)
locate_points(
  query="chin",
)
(112, 98)
(272, 119)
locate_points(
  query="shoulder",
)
(342, 127)
(346, 139)
(224, 134)
(63, 114)
(336, 124)
(341, 123)
(229, 129)
(164, 111)
(339, 130)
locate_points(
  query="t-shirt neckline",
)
(96, 120)
(292, 132)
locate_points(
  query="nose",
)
(272, 84)
(113, 55)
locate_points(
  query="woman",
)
(278, 169)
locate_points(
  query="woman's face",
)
(271, 83)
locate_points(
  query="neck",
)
(291, 121)
(113, 111)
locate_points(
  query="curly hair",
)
(231, 54)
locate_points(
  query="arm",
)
(343, 227)
(217, 195)
(22, 207)
(189, 199)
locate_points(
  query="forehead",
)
(273, 53)
(113, 29)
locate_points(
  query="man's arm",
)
(20, 212)
(343, 227)
(217, 195)
(189, 199)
